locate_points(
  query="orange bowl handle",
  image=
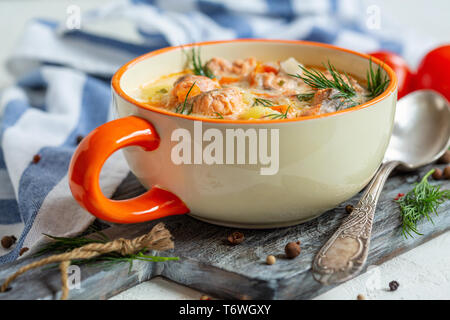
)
(88, 160)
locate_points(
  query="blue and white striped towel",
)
(62, 88)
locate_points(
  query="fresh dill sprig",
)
(263, 102)
(110, 260)
(274, 116)
(197, 66)
(317, 80)
(423, 200)
(305, 96)
(376, 82)
(185, 101)
(63, 244)
(345, 104)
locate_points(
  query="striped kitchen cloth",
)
(62, 71)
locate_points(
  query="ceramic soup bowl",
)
(273, 173)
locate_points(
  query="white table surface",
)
(423, 273)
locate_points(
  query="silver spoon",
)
(420, 136)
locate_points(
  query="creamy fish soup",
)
(248, 89)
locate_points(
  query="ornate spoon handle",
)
(345, 253)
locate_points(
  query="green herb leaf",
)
(345, 104)
(262, 102)
(185, 101)
(197, 67)
(376, 82)
(305, 96)
(423, 200)
(274, 116)
(63, 244)
(219, 115)
(317, 80)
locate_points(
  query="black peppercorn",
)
(445, 158)
(349, 208)
(36, 158)
(236, 237)
(79, 138)
(437, 174)
(447, 172)
(393, 285)
(8, 241)
(292, 249)
(23, 250)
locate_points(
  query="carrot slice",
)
(280, 108)
(262, 68)
(228, 80)
(265, 95)
(270, 69)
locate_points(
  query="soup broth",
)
(248, 89)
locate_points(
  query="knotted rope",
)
(159, 238)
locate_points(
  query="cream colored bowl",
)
(323, 161)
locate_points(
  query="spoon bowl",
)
(420, 136)
(421, 130)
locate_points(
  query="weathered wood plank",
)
(209, 264)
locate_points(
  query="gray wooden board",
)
(208, 263)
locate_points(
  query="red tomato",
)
(401, 69)
(434, 71)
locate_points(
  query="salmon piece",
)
(269, 80)
(262, 80)
(224, 101)
(321, 102)
(326, 101)
(356, 85)
(243, 67)
(272, 81)
(320, 96)
(316, 103)
(182, 86)
(219, 66)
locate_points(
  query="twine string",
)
(159, 238)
